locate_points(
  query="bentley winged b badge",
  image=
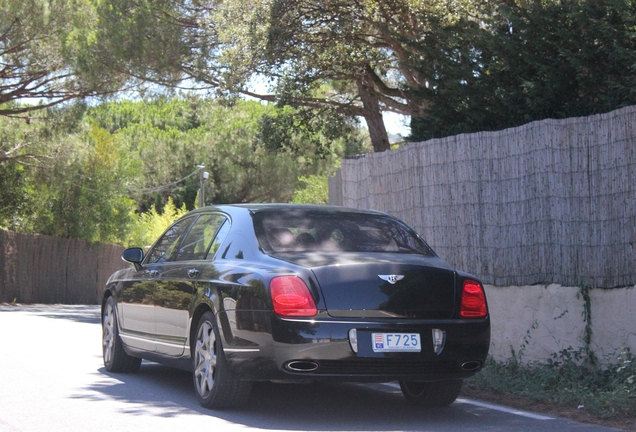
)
(392, 279)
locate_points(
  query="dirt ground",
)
(579, 415)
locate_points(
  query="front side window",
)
(325, 231)
(196, 244)
(165, 249)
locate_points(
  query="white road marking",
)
(491, 406)
(504, 409)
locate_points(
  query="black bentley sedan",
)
(296, 293)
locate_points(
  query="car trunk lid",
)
(382, 285)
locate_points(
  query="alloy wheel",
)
(205, 359)
(108, 337)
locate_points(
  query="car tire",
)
(216, 386)
(115, 358)
(439, 393)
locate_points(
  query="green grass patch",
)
(570, 378)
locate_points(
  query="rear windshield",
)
(333, 231)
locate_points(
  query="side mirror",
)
(134, 256)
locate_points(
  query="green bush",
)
(314, 191)
(150, 225)
(567, 379)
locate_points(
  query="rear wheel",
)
(215, 384)
(439, 393)
(115, 358)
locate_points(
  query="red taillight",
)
(291, 297)
(473, 300)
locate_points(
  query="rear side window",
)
(325, 231)
(218, 239)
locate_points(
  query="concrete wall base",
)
(535, 322)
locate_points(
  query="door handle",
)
(192, 273)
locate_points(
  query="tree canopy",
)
(120, 163)
(350, 58)
(362, 48)
(251, 150)
(454, 67)
(178, 72)
(44, 57)
(359, 57)
(527, 61)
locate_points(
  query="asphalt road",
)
(52, 379)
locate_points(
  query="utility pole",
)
(203, 176)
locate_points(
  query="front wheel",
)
(215, 384)
(115, 358)
(439, 393)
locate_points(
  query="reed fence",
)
(553, 201)
(44, 269)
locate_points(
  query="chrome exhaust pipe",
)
(301, 366)
(470, 366)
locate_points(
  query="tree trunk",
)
(372, 114)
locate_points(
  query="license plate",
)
(396, 342)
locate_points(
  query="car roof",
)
(257, 207)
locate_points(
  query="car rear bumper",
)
(319, 349)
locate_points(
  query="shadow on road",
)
(162, 391)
